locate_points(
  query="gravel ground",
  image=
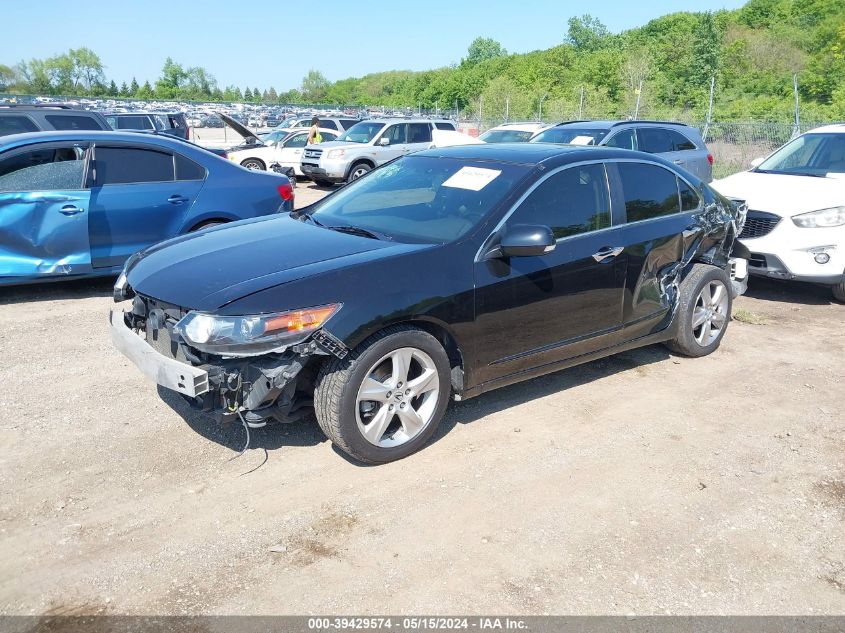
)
(644, 483)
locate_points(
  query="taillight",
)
(286, 191)
(710, 158)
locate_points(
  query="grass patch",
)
(747, 316)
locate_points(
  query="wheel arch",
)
(256, 159)
(359, 161)
(440, 331)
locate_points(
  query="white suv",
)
(365, 146)
(796, 199)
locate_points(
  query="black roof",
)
(528, 153)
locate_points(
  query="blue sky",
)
(263, 43)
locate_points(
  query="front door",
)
(44, 211)
(398, 146)
(136, 200)
(532, 311)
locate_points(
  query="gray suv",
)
(679, 143)
(18, 119)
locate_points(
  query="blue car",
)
(78, 204)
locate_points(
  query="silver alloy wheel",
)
(253, 165)
(398, 397)
(710, 313)
(358, 172)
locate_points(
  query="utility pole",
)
(581, 104)
(639, 94)
(796, 130)
(457, 112)
(540, 111)
(480, 112)
(709, 109)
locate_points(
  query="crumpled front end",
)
(255, 389)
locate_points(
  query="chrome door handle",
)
(607, 252)
(70, 209)
(679, 161)
(176, 199)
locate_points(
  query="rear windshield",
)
(505, 136)
(570, 136)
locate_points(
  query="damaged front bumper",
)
(257, 389)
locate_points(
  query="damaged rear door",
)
(44, 211)
(660, 237)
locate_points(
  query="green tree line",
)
(667, 64)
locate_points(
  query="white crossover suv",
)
(796, 199)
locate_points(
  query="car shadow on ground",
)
(57, 290)
(307, 433)
(789, 292)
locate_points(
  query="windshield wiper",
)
(362, 232)
(301, 216)
(789, 173)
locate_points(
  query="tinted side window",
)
(186, 169)
(626, 139)
(134, 123)
(680, 142)
(419, 133)
(16, 125)
(396, 134)
(572, 201)
(650, 191)
(689, 198)
(329, 125)
(655, 140)
(73, 122)
(445, 126)
(50, 169)
(120, 165)
(348, 123)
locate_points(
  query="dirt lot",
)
(642, 483)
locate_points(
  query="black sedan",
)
(449, 272)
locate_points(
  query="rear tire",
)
(385, 400)
(704, 311)
(207, 225)
(254, 164)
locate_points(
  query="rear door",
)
(419, 137)
(653, 237)
(44, 211)
(137, 200)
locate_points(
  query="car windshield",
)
(570, 136)
(272, 137)
(420, 199)
(808, 155)
(363, 132)
(505, 136)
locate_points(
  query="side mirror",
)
(756, 162)
(525, 240)
(384, 141)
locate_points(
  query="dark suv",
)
(172, 123)
(448, 272)
(676, 142)
(18, 119)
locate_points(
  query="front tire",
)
(384, 400)
(704, 311)
(839, 290)
(361, 169)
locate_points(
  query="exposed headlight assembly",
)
(121, 290)
(335, 153)
(823, 218)
(252, 335)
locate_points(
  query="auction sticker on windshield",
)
(582, 140)
(473, 178)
